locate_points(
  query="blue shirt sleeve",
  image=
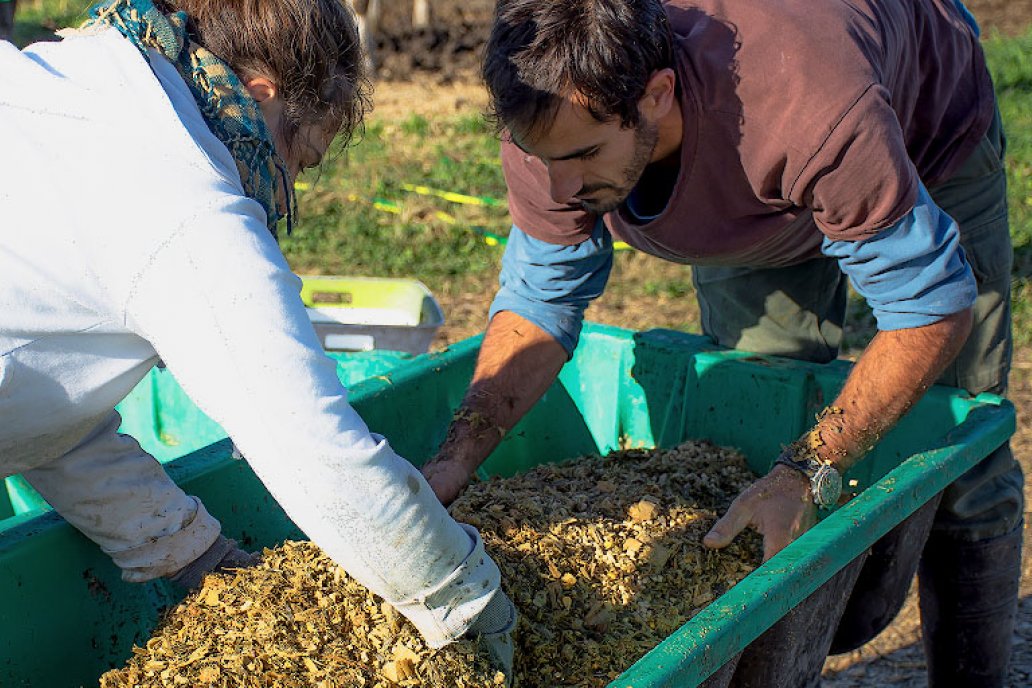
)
(551, 285)
(968, 17)
(912, 273)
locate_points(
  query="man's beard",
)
(645, 138)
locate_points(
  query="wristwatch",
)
(825, 480)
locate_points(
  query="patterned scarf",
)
(228, 109)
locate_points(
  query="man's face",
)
(593, 163)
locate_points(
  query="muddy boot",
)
(969, 597)
(884, 581)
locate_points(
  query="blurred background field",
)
(362, 214)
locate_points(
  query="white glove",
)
(223, 554)
(493, 629)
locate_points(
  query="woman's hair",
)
(308, 48)
(603, 51)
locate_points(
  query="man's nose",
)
(564, 182)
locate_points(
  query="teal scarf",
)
(228, 109)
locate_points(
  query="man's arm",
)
(891, 376)
(518, 362)
(535, 324)
(893, 373)
(921, 289)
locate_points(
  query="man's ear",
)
(660, 92)
(261, 88)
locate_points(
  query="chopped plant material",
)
(296, 620)
(603, 558)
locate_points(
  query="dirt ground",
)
(433, 70)
(448, 50)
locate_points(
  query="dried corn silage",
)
(602, 557)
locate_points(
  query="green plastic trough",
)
(166, 423)
(68, 617)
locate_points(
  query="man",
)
(780, 148)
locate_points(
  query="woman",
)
(148, 160)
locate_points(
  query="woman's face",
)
(307, 149)
(310, 142)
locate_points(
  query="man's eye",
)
(593, 153)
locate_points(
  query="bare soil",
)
(1008, 17)
(445, 51)
(449, 49)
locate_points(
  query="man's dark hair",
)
(541, 51)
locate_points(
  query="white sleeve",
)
(219, 304)
(120, 497)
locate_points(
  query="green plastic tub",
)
(167, 424)
(67, 616)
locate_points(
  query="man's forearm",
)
(518, 361)
(893, 373)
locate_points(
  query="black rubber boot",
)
(969, 599)
(883, 584)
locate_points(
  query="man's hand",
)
(891, 375)
(779, 506)
(448, 477)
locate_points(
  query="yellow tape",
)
(451, 196)
(387, 207)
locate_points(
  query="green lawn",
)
(1009, 60)
(36, 19)
(357, 217)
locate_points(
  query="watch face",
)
(827, 487)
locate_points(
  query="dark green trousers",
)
(798, 312)
(967, 540)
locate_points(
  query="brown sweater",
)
(802, 118)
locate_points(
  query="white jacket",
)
(125, 235)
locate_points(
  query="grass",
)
(1012, 74)
(38, 19)
(358, 218)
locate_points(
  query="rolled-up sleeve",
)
(912, 273)
(550, 284)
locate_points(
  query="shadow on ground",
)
(896, 658)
